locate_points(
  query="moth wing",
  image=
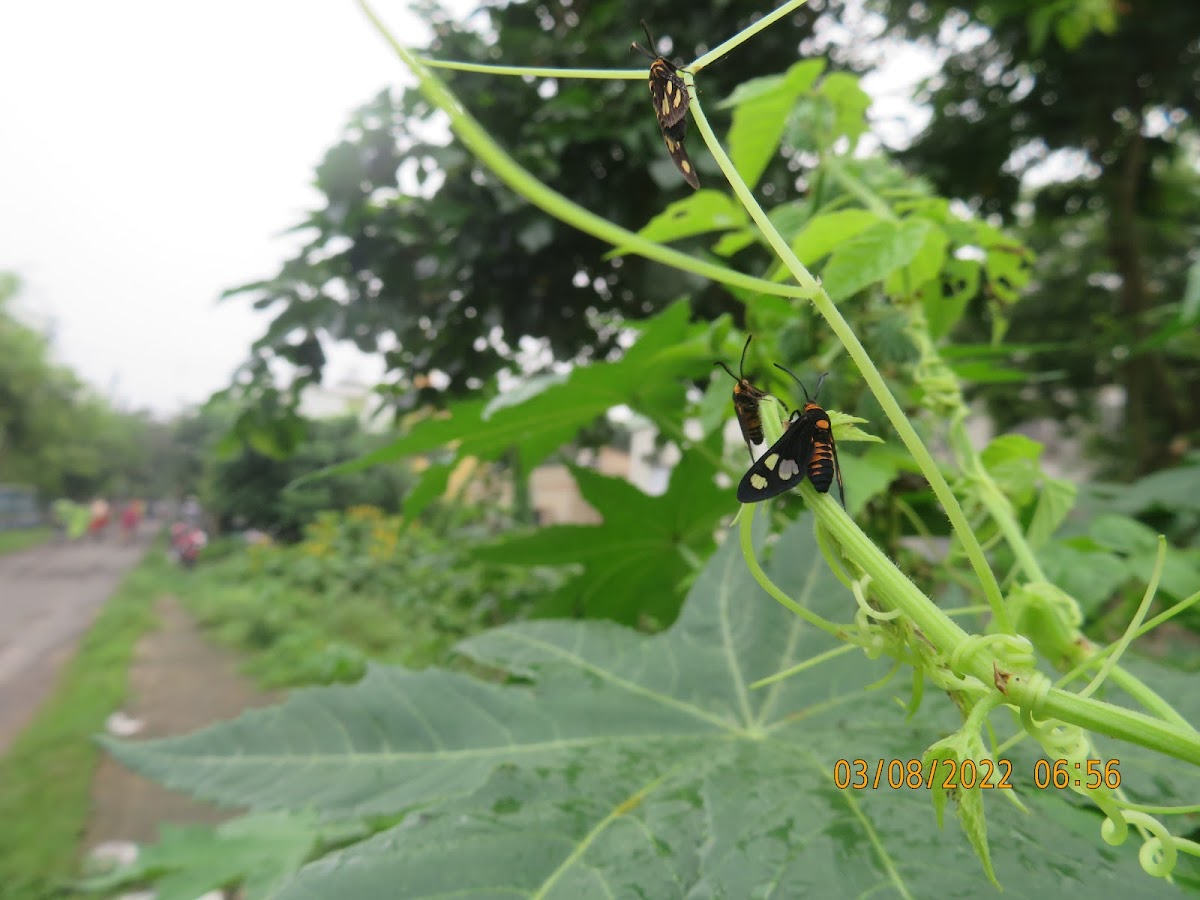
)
(837, 469)
(781, 467)
(673, 137)
(669, 93)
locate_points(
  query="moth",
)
(670, 96)
(746, 398)
(806, 448)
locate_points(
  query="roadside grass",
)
(362, 586)
(46, 776)
(19, 539)
(291, 636)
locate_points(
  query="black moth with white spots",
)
(806, 448)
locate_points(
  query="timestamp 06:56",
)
(1091, 774)
(952, 774)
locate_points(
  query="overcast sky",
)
(151, 153)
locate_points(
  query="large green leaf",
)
(256, 851)
(946, 302)
(698, 213)
(430, 486)
(626, 765)
(850, 104)
(635, 562)
(826, 232)
(1175, 489)
(1012, 461)
(1090, 577)
(760, 116)
(873, 255)
(647, 378)
(926, 265)
(1055, 499)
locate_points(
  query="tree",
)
(421, 255)
(1115, 88)
(59, 436)
(250, 489)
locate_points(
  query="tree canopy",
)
(422, 255)
(1114, 91)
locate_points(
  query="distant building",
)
(556, 499)
(346, 397)
(553, 494)
(19, 507)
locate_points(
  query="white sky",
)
(151, 154)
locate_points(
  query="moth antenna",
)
(649, 37)
(807, 399)
(820, 381)
(745, 347)
(726, 368)
(642, 50)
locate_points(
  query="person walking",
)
(131, 517)
(99, 520)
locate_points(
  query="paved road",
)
(49, 595)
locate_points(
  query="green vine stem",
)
(1138, 617)
(945, 393)
(476, 138)
(745, 34)
(533, 71)
(858, 353)
(745, 533)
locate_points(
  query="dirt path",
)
(49, 596)
(178, 682)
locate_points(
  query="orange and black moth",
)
(670, 96)
(806, 449)
(746, 399)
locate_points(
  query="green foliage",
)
(46, 775)
(617, 763)
(12, 541)
(361, 585)
(253, 490)
(58, 436)
(620, 763)
(637, 561)
(257, 852)
(1169, 498)
(1113, 220)
(445, 270)
(549, 412)
(1106, 552)
(762, 107)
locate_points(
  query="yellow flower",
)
(364, 513)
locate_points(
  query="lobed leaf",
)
(872, 256)
(698, 213)
(643, 545)
(760, 116)
(623, 764)
(824, 233)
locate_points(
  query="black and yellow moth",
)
(807, 448)
(670, 96)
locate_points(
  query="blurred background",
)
(237, 248)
